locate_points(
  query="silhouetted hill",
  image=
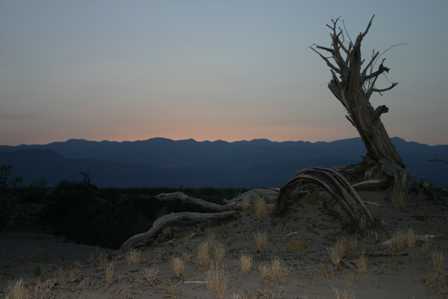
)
(165, 162)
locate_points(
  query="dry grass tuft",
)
(265, 272)
(17, 291)
(151, 275)
(344, 294)
(402, 240)
(246, 263)
(275, 271)
(43, 289)
(217, 252)
(101, 260)
(399, 202)
(245, 204)
(261, 241)
(340, 250)
(437, 279)
(204, 255)
(217, 281)
(261, 209)
(399, 241)
(296, 245)
(171, 290)
(411, 238)
(210, 251)
(109, 273)
(178, 266)
(362, 264)
(278, 270)
(438, 262)
(134, 257)
(326, 272)
(240, 296)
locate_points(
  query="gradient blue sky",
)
(204, 69)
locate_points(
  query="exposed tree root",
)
(373, 184)
(172, 219)
(338, 186)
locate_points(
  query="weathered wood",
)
(198, 203)
(371, 184)
(334, 183)
(181, 218)
(421, 238)
(353, 87)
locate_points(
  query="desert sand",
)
(295, 260)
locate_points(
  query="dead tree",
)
(353, 83)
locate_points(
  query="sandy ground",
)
(300, 240)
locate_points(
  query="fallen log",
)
(421, 238)
(198, 203)
(172, 219)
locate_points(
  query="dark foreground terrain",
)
(308, 253)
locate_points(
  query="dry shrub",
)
(134, 257)
(217, 281)
(261, 209)
(178, 266)
(151, 275)
(246, 263)
(261, 241)
(109, 273)
(204, 254)
(296, 245)
(362, 264)
(17, 291)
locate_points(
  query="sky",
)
(208, 70)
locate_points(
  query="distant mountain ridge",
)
(162, 162)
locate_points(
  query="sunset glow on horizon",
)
(209, 70)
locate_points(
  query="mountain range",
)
(162, 162)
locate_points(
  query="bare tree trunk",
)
(353, 83)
